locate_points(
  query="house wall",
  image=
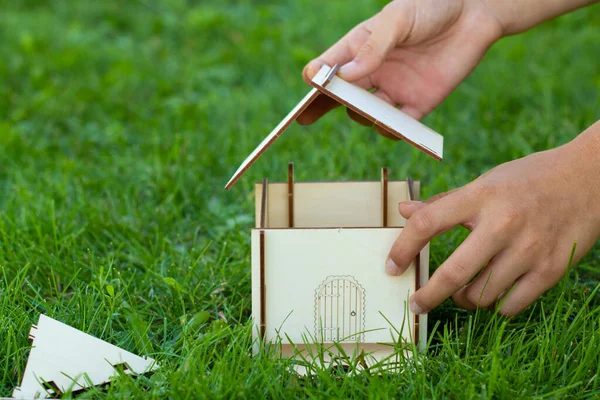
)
(333, 204)
(298, 261)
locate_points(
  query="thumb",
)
(372, 53)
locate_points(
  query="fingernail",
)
(415, 308)
(409, 203)
(347, 69)
(405, 208)
(313, 68)
(391, 268)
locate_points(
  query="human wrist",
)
(483, 28)
(516, 16)
(584, 154)
(513, 16)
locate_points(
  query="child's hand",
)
(524, 215)
(414, 52)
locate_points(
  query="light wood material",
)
(412, 193)
(423, 279)
(272, 137)
(364, 103)
(61, 355)
(380, 112)
(264, 196)
(375, 352)
(299, 261)
(332, 262)
(333, 204)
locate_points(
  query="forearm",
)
(517, 16)
(589, 141)
(585, 150)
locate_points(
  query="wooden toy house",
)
(319, 249)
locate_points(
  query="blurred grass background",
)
(121, 121)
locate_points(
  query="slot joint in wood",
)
(331, 74)
(411, 192)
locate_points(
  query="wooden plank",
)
(332, 204)
(417, 331)
(299, 261)
(343, 204)
(263, 203)
(271, 137)
(380, 112)
(362, 102)
(68, 358)
(423, 279)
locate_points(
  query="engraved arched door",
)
(340, 310)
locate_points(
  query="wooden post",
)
(263, 203)
(263, 289)
(384, 197)
(411, 193)
(262, 286)
(411, 196)
(291, 195)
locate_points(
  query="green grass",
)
(120, 122)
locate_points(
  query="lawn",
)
(120, 123)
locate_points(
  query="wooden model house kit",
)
(64, 359)
(319, 249)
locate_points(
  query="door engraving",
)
(340, 310)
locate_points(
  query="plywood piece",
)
(341, 204)
(423, 279)
(333, 204)
(331, 284)
(380, 112)
(70, 358)
(361, 101)
(271, 137)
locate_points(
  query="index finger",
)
(340, 53)
(431, 220)
(470, 257)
